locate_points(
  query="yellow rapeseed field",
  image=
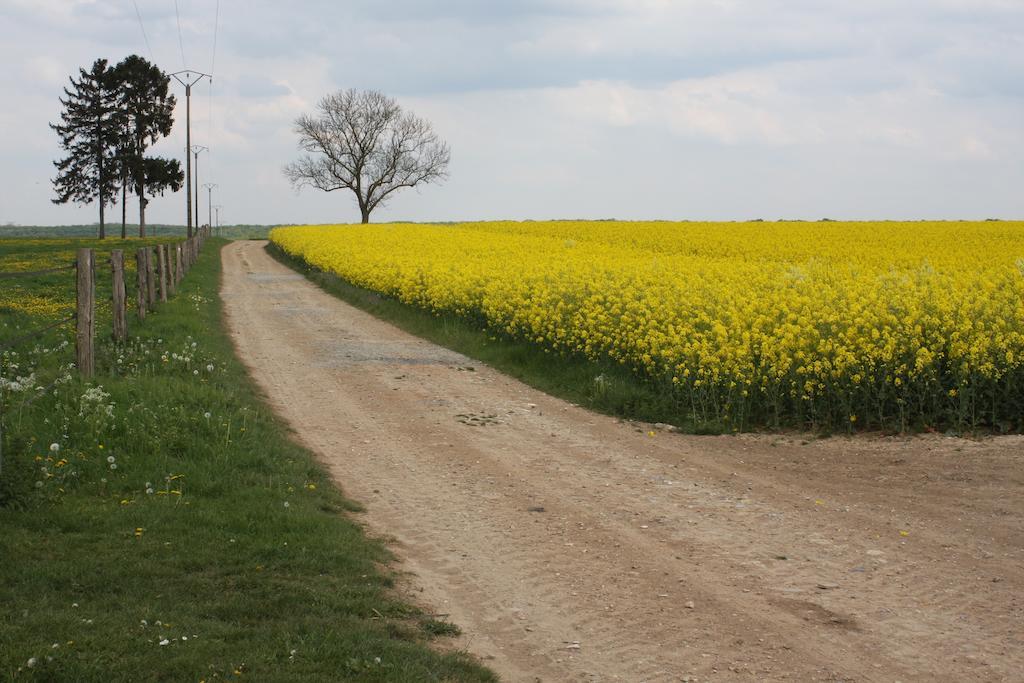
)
(866, 324)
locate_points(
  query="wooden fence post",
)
(150, 279)
(140, 267)
(86, 314)
(161, 259)
(172, 283)
(178, 265)
(119, 296)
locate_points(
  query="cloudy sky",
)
(677, 109)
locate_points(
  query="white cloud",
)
(631, 108)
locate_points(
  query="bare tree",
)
(361, 140)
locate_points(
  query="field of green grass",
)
(234, 232)
(158, 523)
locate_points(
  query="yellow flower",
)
(813, 314)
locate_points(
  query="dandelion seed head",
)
(54, 447)
(111, 458)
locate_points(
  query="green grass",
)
(215, 533)
(27, 301)
(606, 387)
(239, 231)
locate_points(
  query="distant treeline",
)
(152, 230)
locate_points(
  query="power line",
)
(209, 111)
(216, 24)
(181, 43)
(213, 63)
(143, 27)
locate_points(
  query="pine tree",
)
(89, 132)
(148, 109)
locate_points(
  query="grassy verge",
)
(174, 532)
(605, 387)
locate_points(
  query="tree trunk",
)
(140, 185)
(99, 167)
(124, 209)
(140, 190)
(366, 214)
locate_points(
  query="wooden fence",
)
(161, 269)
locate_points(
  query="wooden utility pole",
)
(196, 149)
(209, 203)
(189, 78)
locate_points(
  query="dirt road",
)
(573, 546)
